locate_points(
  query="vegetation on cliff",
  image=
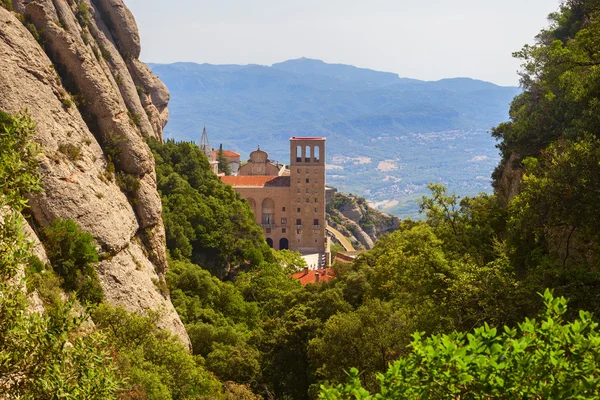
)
(417, 316)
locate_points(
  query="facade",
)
(233, 159)
(289, 204)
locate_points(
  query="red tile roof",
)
(257, 181)
(226, 153)
(311, 276)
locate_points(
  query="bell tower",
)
(307, 194)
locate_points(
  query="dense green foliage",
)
(542, 359)
(73, 257)
(222, 160)
(206, 221)
(50, 355)
(156, 363)
(472, 265)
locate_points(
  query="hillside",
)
(387, 136)
(356, 220)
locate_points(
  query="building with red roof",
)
(314, 275)
(289, 203)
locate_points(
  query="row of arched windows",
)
(310, 154)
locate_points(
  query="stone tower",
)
(307, 194)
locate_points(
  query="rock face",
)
(93, 110)
(361, 224)
(508, 182)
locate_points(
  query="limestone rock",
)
(131, 281)
(361, 224)
(509, 184)
(158, 93)
(123, 79)
(76, 61)
(73, 164)
(122, 25)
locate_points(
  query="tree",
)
(547, 358)
(73, 257)
(223, 163)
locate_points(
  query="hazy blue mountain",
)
(387, 136)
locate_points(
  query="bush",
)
(73, 256)
(70, 150)
(128, 184)
(545, 359)
(157, 364)
(83, 14)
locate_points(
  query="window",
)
(316, 190)
(298, 180)
(297, 210)
(307, 190)
(298, 190)
(283, 209)
(298, 170)
(316, 200)
(307, 154)
(268, 230)
(316, 210)
(298, 221)
(317, 152)
(307, 200)
(298, 199)
(283, 230)
(307, 180)
(283, 221)
(298, 231)
(316, 221)
(298, 154)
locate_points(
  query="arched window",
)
(284, 244)
(317, 153)
(298, 153)
(270, 242)
(268, 212)
(307, 154)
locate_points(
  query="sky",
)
(421, 39)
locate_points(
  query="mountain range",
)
(387, 136)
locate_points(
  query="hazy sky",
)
(423, 39)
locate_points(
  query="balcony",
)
(268, 225)
(298, 226)
(316, 226)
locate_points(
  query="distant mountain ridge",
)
(365, 114)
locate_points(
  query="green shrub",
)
(128, 183)
(157, 364)
(83, 14)
(70, 150)
(73, 257)
(7, 4)
(134, 118)
(44, 356)
(542, 359)
(66, 102)
(105, 53)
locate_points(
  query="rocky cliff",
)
(73, 65)
(361, 224)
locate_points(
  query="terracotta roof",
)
(226, 153)
(310, 276)
(257, 181)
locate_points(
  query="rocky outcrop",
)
(90, 115)
(361, 224)
(507, 178)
